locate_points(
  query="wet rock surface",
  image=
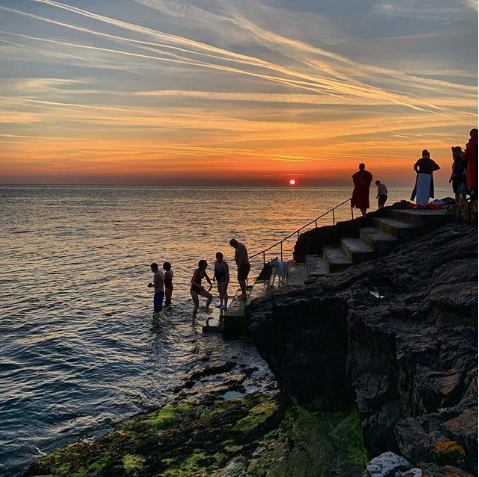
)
(397, 337)
(229, 419)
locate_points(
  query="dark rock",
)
(395, 335)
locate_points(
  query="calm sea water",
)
(77, 347)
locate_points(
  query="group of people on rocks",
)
(463, 178)
(163, 282)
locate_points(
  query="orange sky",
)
(155, 93)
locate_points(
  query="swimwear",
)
(220, 274)
(197, 288)
(158, 301)
(243, 271)
(382, 199)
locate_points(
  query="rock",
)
(388, 465)
(448, 452)
(415, 472)
(407, 360)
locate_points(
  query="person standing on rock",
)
(362, 180)
(470, 154)
(424, 188)
(458, 175)
(242, 262)
(382, 195)
(159, 286)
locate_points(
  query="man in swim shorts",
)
(242, 262)
(159, 285)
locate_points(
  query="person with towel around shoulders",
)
(424, 189)
(362, 180)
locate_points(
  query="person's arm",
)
(416, 167)
(207, 278)
(435, 167)
(214, 274)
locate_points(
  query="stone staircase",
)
(388, 232)
(400, 225)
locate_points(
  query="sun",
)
(292, 182)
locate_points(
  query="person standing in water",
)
(197, 289)
(242, 262)
(222, 277)
(159, 286)
(362, 180)
(168, 282)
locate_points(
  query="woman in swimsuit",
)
(197, 289)
(222, 277)
(168, 282)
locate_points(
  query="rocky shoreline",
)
(380, 359)
(396, 338)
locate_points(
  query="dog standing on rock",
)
(280, 269)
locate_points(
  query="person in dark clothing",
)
(458, 175)
(424, 188)
(222, 278)
(362, 180)
(470, 155)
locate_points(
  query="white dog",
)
(280, 269)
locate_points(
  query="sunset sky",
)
(233, 92)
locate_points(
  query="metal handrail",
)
(299, 230)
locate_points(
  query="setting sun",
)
(292, 182)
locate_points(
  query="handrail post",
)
(352, 213)
(281, 251)
(316, 222)
(334, 220)
(264, 259)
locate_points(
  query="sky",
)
(233, 92)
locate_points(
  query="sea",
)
(79, 349)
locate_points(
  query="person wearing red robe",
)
(362, 180)
(470, 155)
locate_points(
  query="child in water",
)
(168, 282)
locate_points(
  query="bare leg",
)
(196, 303)
(363, 211)
(242, 284)
(168, 294)
(208, 297)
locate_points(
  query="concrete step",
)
(381, 242)
(399, 230)
(235, 323)
(356, 250)
(335, 260)
(314, 266)
(296, 275)
(420, 217)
